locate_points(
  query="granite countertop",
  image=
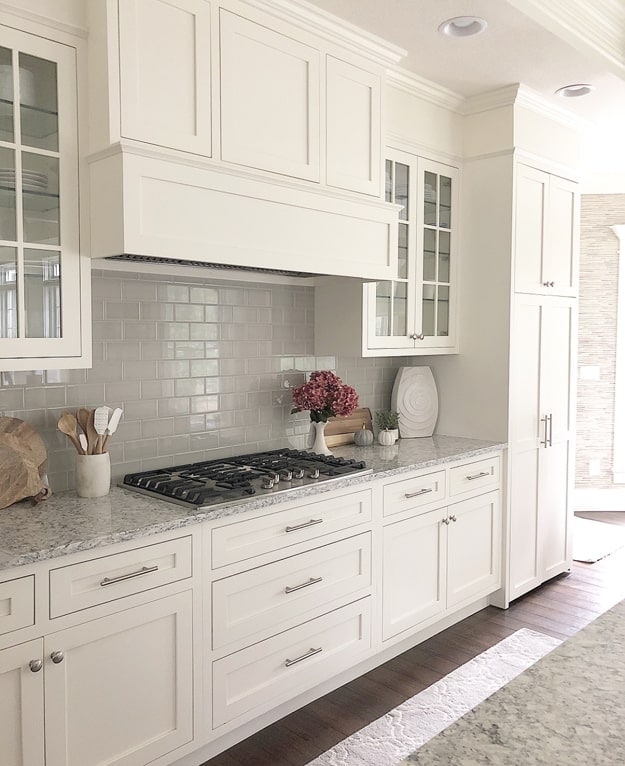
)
(66, 523)
(568, 708)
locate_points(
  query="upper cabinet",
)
(281, 107)
(44, 303)
(414, 313)
(546, 233)
(165, 58)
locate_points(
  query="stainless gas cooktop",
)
(217, 482)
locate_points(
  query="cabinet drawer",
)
(252, 537)
(17, 604)
(97, 581)
(263, 601)
(265, 674)
(472, 477)
(411, 493)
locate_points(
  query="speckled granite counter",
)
(66, 523)
(567, 709)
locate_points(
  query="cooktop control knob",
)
(267, 483)
(314, 473)
(298, 473)
(286, 474)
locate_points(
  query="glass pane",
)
(429, 255)
(429, 199)
(400, 318)
(402, 179)
(8, 292)
(8, 217)
(38, 102)
(444, 239)
(42, 293)
(383, 308)
(442, 308)
(402, 259)
(388, 183)
(40, 194)
(429, 293)
(445, 208)
(6, 95)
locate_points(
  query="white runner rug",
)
(594, 540)
(400, 732)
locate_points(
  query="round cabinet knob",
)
(57, 657)
(35, 665)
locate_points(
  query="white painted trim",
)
(618, 466)
(427, 90)
(599, 499)
(28, 21)
(406, 144)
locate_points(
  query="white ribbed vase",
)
(415, 399)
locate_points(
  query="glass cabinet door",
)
(39, 259)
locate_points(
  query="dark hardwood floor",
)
(558, 608)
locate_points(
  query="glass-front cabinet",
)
(416, 312)
(40, 296)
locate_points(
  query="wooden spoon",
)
(92, 434)
(68, 425)
(82, 416)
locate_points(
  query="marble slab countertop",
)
(67, 524)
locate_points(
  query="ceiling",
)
(515, 48)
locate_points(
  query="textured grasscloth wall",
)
(199, 368)
(597, 336)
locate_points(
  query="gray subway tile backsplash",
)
(201, 371)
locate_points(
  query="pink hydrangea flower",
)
(325, 395)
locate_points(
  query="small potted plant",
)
(387, 422)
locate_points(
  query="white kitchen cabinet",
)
(415, 313)
(541, 440)
(165, 58)
(354, 127)
(546, 233)
(21, 705)
(270, 102)
(44, 294)
(440, 559)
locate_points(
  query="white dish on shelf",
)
(26, 84)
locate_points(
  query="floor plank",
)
(558, 608)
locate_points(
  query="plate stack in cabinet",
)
(290, 603)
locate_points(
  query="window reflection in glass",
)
(429, 199)
(8, 292)
(6, 95)
(42, 293)
(38, 102)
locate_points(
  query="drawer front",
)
(411, 493)
(97, 581)
(252, 537)
(261, 602)
(473, 477)
(258, 678)
(17, 604)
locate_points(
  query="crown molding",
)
(417, 86)
(330, 27)
(596, 25)
(13, 15)
(491, 99)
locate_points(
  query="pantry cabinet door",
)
(562, 257)
(165, 66)
(122, 691)
(269, 99)
(21, 705)
(353, 113)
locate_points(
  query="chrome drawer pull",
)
(478, 475)
(310, 523)
(312, 581)
(142, 571)
(408, 495)
(309, 653)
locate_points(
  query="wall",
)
(597, 336)
(199, 368)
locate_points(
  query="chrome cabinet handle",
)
(479, 475)
(548, 421)
(414, 336)
(423, 491)
(312, 581)
(551, 429)
(310, 523)
(310, 653)
(446, 521)
(139, 573)
(453, 518)
(57, 657)
(549, 284)
(35, 665)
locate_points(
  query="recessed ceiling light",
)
(463, 26)
(576, 90)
